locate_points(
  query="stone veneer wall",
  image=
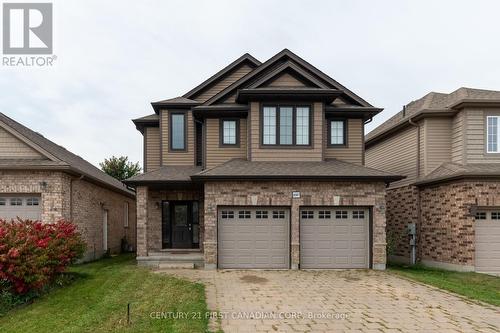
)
(56, 190)
(279, 193)
(447, 230)
(402, 208)
(149, 215)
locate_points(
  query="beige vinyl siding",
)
(438, 142)
(396, 154)
(177, 158)
(457, 138)
(217, 155)
(152, 146)
(223, 83)
(421, 146)
(475, 136)
(13, 148)
(286, 80)
(353, 153)
(313, 153)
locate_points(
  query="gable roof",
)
(285, 55)
(433, 103)
(244, 58)
(59, 158)
(176, 102)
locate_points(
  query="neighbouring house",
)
(40, 180)
(448, 147)
(261, 166)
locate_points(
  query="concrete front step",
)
(155, 259)
(176, 265)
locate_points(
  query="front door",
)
(180, 224)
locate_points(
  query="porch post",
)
(142, 221)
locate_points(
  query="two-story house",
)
(448, 147)
(261, 166)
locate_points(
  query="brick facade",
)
(402, 209)
(279, 193)
(149, 215)
(446, 231)
(77, 200)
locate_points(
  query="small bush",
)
(33, 254)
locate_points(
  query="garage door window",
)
(227, 214)
(495, 215)
(307, 214)
(325, 214)
(341, 214)
(32, 202)
(278, 214)
(244, 214)
(261, 214)
(2, 202)
(16, 202)
(481, 216)
(358, 214)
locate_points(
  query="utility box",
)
(412, 229)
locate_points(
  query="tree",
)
(120, 167)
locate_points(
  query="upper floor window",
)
(229, 132)
(337, 132)
(493, 134)
(177, 131)
(286, 125)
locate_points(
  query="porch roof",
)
(165, 174)
(451, 171)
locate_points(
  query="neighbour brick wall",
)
(402, 208)
(56, 190)
(447, 230)
(89, 201)
(149, 215)
(276, 193)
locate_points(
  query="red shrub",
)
(33, 253)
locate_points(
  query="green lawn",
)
(97, 302)
(476, 286)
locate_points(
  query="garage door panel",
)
(24, 206)
(338, 242)
(255, 242)
(487, 243)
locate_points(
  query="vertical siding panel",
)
(457, 138)
(152, 136)
(439, 141)
(177, 158)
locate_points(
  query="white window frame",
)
(488, 135)
(125, 214)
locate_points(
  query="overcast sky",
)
(115, 57)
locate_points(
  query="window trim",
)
(329, 133)
(221, 133)
(294, 144)
(488, 132)
(170, 148)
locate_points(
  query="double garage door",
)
(259, 237)
(487, 229)
(22, 206)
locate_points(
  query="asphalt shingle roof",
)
(65, 157)
(181, 173)
(449, 170)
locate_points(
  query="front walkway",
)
(366, 301)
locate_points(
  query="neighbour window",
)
(280, 214)
(341, 214)
(244, 214)
(338, 130)
(125, 214)
(177, 131)
(307, 214)
(286, 125)
(261, 214)
(358, 214)
(324, 214)
(227, 214)
(480, 215)
(493, 134)
(32, 202)
(16, 202)
(229, 132)
(495, 215)
(2, 202)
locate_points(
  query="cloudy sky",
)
(115, 57)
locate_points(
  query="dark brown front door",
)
(180, 226)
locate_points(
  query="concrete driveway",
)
(331, 301)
